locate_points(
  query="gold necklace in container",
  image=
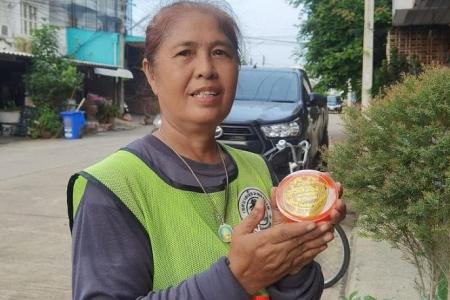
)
(225, 230)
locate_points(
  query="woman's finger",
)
(340, 189)
(249, 224)
(339, 212)
(318, 242)
(288, 231)
(320, 230)
(277, 217)
(300, 262)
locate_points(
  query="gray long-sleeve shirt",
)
(112, 257)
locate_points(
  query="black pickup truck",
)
(274, 104)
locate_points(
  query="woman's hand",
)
(340, 209)
(337, 214)
(323, 228)
(258, 259)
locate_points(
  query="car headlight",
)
(281, 130)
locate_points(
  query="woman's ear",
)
(150, 74)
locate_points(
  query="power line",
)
(271, 40)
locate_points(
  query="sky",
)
(268, 26)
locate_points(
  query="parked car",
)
(274, 104)
(334, 103)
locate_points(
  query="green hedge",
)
(395, 169)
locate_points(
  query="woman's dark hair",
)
(163, 19)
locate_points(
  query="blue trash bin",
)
(73, 123)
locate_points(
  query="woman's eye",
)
(184, 53)
(220, 52)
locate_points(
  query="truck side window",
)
(305, 94)
(306, 90)
(306, 86)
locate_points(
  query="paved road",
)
(35, 239)
(335, 128)
(34, 234)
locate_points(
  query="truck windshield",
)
(333, 100)
(272, 86)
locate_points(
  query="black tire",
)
(318, 163)
(325, 139)
(336, 258)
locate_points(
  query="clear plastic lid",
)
(307, 195)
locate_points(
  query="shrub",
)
(355, 296)
(391, 71)
(47, 123)
(395, 168)
(107, 112)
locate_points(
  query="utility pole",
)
(123, 11)
(367, 72)
(349, 93)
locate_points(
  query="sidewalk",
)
(380, 271)
(35, 244)
(119, 125)
(376, 269)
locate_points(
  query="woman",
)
(169, 216)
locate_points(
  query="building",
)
(94, 39)
(17, 20)
(91, 33)
(421, 29)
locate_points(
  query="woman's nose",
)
(205, 67)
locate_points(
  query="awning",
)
(135, 41)
(92, 64)
(122, 73)
(16, 53)
(418, 17)
(14, 57)
(421, 12)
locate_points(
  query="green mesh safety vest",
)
(182, 225)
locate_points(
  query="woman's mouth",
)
(204, 94)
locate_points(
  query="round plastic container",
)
(307, 195)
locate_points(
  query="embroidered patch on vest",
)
(247, 200)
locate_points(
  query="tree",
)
(395, 169)
(332, 38)
(392, 71)
(52, 78)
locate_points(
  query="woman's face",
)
(195, 72)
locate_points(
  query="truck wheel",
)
(318, 162)
(325, 140)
